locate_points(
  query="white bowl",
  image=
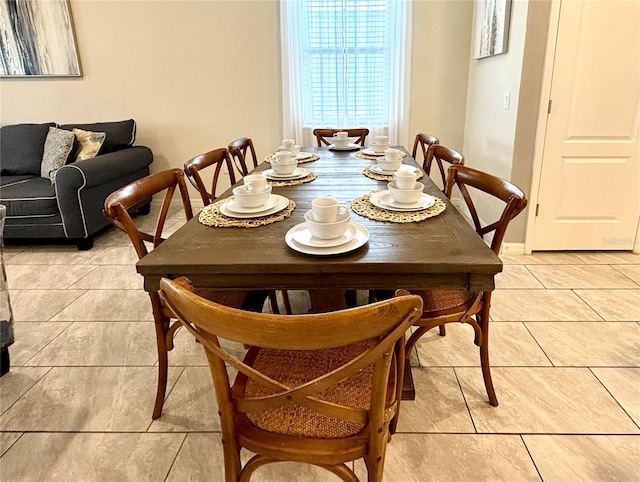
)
(405, 196)
(284, 168)
(379, 148)
(251, 199)
(387, 165)
(327, 230)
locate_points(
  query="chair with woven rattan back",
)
(423, 141)
(445, 306)
(218, 158)
(324, 137)
(116, 208)
(239, 151)
(322, 389)
(443, 157)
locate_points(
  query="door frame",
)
(541, 128)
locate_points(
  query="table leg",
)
(324, 300)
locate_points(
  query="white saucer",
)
(361, 236)
(298, 173)
(280, 202)
(350, 147)
(383, 200)
(378, 170)
(370, 152)
(302, 235)
(304, 155)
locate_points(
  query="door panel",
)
(590, 178)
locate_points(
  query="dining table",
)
(442, 251)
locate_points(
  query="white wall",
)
(197, 74)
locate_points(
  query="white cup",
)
(287, 143)
(327, 209)
(255, 182)
(341, 136)
(392, 155)
(382, 139)
(405, 179)
(295, 150)
(284, 164)
(380, 148)
(283, 156)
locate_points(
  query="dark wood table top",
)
(443, 251)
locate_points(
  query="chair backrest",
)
(324, 137)
(238, 151)
(441, 155)
(370, 336)
(424, 141)
(513, 197)
(218, 158)
(118, 203)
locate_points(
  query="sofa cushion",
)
(28, 196)
(120, 134)
(21, 148)
(58, 148)
(89, 144)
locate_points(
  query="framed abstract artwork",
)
(492, 27)
(37, 39)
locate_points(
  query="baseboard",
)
(512, 248)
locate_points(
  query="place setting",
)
(252, 204)
(289, 147)
(387, 165)
(327, 230)
(285, 171)
(341, 142)
(377, 149)
(403, 201)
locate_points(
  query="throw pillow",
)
(57, 148)
(89, 143)
(120, 134)
(21, 148)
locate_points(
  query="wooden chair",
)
(446, 306)
(322, 389)
(238, 150)
(441, 155)
(423, 141)
(116, 208)
(324, 137)
(218, 158)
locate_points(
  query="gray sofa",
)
(69, 206)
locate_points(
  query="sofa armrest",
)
(103, 168)
(82, 187)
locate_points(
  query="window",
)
(344, 65)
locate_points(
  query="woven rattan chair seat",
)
(294, 368)
(445, 300)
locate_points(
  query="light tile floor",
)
(76, 405)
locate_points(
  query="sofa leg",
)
(85, 244)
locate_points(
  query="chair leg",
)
(273, 300)
(287, 302)
(443, 330)
(484, 351)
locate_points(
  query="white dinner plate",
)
(378, 170)
(304, 155)
(361, 236)
(281, 202)
(350, 147)
(370, 152)
(383, 200)
(302, 235)
(232, 205)
(298, 173)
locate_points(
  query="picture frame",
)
(38, 39)
(491, 27)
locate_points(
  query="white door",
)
(589, 187)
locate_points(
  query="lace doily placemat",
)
(384, 177)
(294, 182)
(314, 157)
(211, 216)
(363, 206)
(370, 157)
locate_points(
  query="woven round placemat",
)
(363, 206)
(211, 216)
(384, 177)
(314, 157)
(294, 182)
(370, 157)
